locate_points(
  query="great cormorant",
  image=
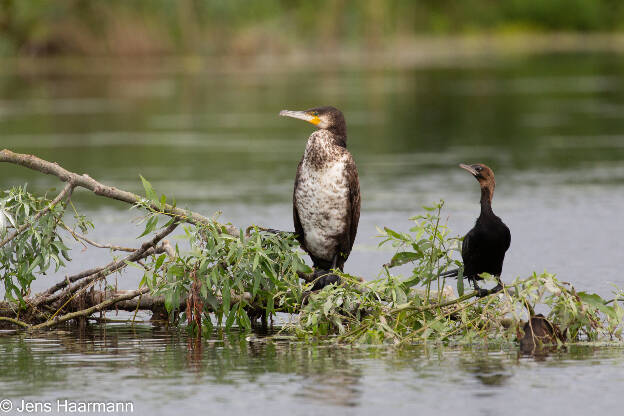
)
(326, 197)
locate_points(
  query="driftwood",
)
(75, 297)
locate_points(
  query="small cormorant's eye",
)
(315, 113)
(478, 168)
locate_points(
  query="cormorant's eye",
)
(478, 168)
(315, 113)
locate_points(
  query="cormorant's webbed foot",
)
(324, 278)
(482, 292)
(486, 292)
(497, 288)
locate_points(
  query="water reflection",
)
(489, 369)
(102, 358)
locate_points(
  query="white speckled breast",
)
(322, 196)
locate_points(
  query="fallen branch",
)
(75, 295)
(15, 322)
(86, 182)
(418, 309)
(88, 311)
(147, 248)
(126, 300)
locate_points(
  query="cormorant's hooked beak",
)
(469, 169)
(301, 115)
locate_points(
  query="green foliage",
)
(581, 315)
(208, 27)
(392, 309)
(233, 274)
(37, 248)
(228, 276)
(428, 248)
(380, 312)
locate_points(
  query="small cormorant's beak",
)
(301, 115)
(469, 169)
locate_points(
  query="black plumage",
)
(485, 245)
(326, 195)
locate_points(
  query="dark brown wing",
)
(470, 251)
(354, 193)
(298, 227)
(353, 216)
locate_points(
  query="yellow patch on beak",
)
(315, 120)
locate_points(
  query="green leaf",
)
(597, 302)
(243, 318)
(225, 294)
(149, 191)
(34, 264)
(230, 319)
(303, 268)
(212, 301)
(327, 306)
(144, 280)
(159, 261)
(203, 267)
(460, 286)
(396, 235)
(255, 262)
(256, 283)
(150, 226)
(169, 301)
(403, 257)
(207, 325)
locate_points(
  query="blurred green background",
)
(241, 27)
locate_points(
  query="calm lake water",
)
(551, 127)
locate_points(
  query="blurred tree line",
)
(135, 27)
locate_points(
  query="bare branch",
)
(15, 321)
(79, 237)
(85, 181)
(88, 311)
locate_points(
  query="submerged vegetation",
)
(241, 27)
(223, 277)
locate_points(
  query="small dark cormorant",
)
(484, 247)
(326, 198)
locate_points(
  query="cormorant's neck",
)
(338, 135)
(487, 191)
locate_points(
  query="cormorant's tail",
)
(450, 273)
(267, 230)
(274, 231)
